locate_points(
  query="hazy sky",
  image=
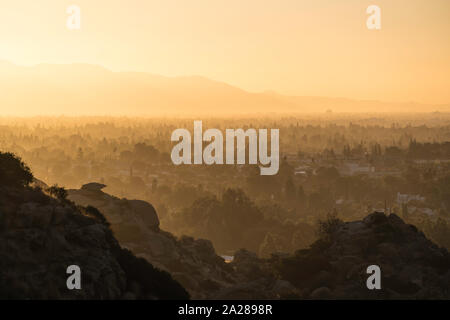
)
(316, 47)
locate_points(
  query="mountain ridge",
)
(86, 89)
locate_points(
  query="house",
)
(422, 211)
(405, 198)
(351, 168)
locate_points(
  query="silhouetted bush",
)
(325, 228)
(13, 171)
(58, 192)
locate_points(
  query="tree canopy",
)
(13, 171)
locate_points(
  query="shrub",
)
(13, 171)
(325, 228)
(58, 192)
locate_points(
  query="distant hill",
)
(82, 89)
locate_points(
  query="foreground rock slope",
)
(40, 236)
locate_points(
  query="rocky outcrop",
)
(93, 186)
(192, 262)
(335, 267)
(123, 215)
(41, 236)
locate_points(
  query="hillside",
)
(42, 235)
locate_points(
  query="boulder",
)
(93, 186)
(146, 212)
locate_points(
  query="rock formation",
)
(412, 267)
(192, 262)
(333, 267)
(40, 236)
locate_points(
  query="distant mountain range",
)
(82, 89)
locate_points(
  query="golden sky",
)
(298, 47)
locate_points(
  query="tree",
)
(290, 191)
(58, 192)
(13, 171)
(80, 154)
(325, 228)
(154, 185)
(146, 152)
(405, 214)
